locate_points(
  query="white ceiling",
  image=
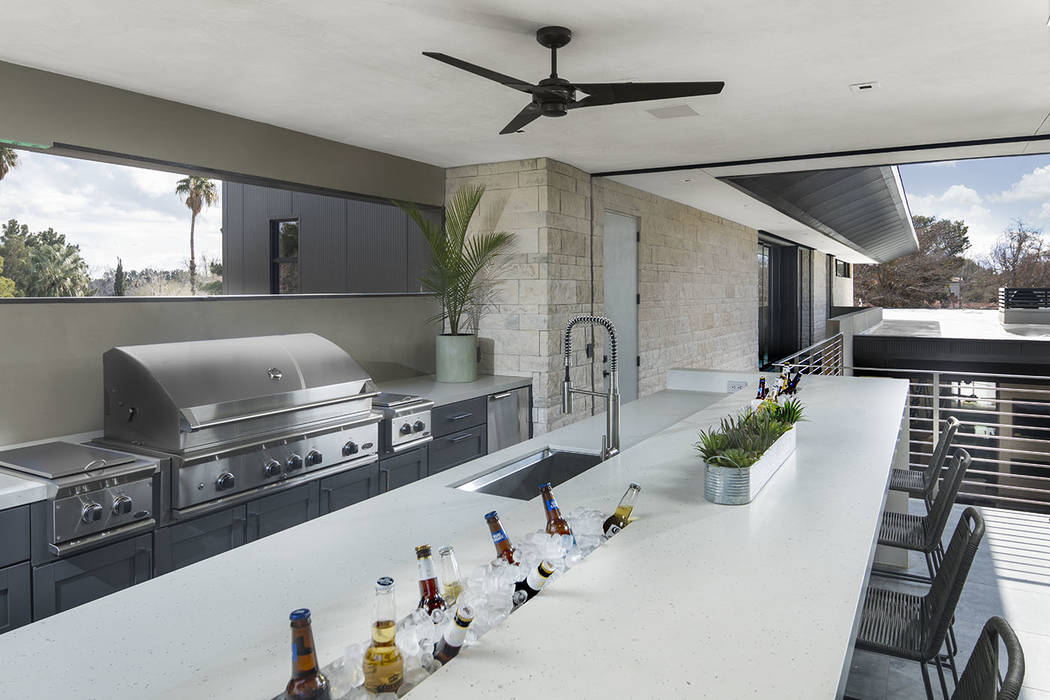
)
(351, 70)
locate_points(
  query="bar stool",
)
(922, 533)
(982, 679)
(919, 483)
(916, 627)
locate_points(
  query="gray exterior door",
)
(621, 295)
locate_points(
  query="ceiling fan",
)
(554, 96)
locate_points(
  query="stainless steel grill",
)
(240, 416)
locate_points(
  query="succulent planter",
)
(733, 486)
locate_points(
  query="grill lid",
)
(53, 460)
(189, 386)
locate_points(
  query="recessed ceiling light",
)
(673, 112)
(688, 179)
(864, 87)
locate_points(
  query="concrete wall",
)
(697, 278)
(45, 108)
(51, 352)
(850, 325)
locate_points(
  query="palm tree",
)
(199, 192)
(58, 271)
(8, 160)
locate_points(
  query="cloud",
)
(110, 211)
(960, 202)
(1033, 185)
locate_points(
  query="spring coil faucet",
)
(611, 439)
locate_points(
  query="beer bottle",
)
(618, 520)
(556, 525)
(527, 589)
(452, 639)
(430, 600)
(307, 682)
(499, 538)
(451, 585)
(761, 388)
(383, 666)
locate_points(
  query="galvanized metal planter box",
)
(732, 486)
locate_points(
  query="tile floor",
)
(1010, 577)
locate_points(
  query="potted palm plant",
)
(461, 273)
(743, 453)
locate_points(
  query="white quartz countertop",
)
(692, 600)
(443, 393)
(18, 490)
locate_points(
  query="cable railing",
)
(824, 357)
(1004, 425)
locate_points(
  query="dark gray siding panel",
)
(377, 248)
(345, 244)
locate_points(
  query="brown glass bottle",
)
(383, 666)
(430, 600)
(307, 683)
(499, 538)
(618, 520)
(451, 641)
(556, 525)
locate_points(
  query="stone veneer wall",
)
(698, 281)
(820, 296)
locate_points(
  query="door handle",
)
(461, 416)
(460, 438)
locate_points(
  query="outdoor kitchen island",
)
(691, 600)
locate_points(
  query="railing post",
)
(936, 412)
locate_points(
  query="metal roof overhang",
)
(863, 208)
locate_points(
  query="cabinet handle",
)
(461, 438)
(461, 416)
(504, 395)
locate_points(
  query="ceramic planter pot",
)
(731, 486)
(457, 358)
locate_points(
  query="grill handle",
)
(61, 550)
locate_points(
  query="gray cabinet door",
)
(282, 510)
(15, 609)
(189, 542)
(350, 487)
(14, 545)
(452, 450)
(402, 469)
(81, 578)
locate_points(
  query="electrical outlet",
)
(735, 386)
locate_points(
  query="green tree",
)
(119, 279)
(7, 285)
(56, 267)
(921, 279)
(15, 250)
(8, 160)
(199, 192)
(214, 286)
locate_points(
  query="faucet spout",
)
(611, 439)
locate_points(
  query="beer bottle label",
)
(612, 530)
(499, 536)
(552, 503)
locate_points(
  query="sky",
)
(987, 193)
(109, 210)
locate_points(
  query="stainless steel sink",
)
(521, 478)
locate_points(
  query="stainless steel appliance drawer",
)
(509, 418)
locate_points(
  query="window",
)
(284, 244)
(842, 268)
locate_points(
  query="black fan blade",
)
(525, 116)
(616, 93)
(483, 72)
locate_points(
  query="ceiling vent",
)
(864, 87)
(673, 112)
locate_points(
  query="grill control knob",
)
(91, 512)
(294, 463)
(313, 457)
(225, 481)
(406, 429)
(273, 468)
(418, 426)
(121, 505)
(350, 448)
